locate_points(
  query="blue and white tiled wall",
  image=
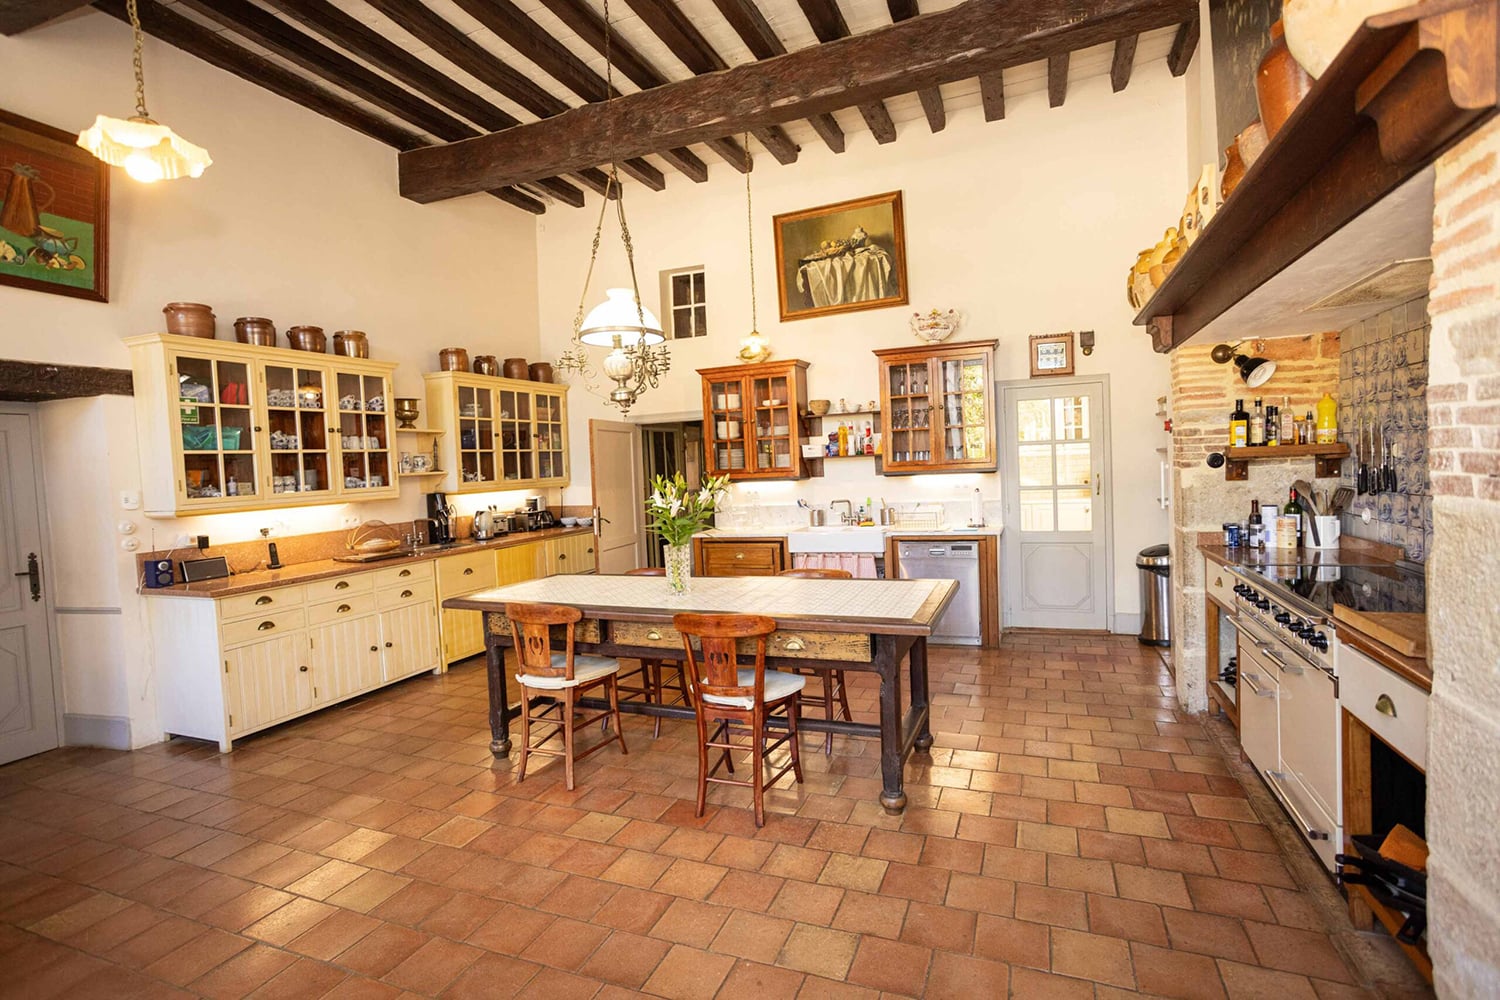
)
(1383, 381)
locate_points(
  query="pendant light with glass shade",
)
(755, 348)
(147, 150)
(636, 359)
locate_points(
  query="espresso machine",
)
(440, 519)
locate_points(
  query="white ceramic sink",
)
(837, 538)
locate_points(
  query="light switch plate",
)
(130, 500)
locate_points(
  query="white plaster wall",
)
(299, 220)
(1026, 225)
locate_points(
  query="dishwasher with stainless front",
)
(959, 624)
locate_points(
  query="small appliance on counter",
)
(536, 514)
(489, 524)
(440, 519)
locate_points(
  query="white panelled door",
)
(617, 463)
(1056, 540)
(28, 705)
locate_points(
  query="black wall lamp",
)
(1254, 372)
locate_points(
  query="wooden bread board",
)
(1404, 632)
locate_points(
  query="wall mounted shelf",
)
(1237, 460)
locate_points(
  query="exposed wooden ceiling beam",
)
(1057, 79)
(829, 25)
(1184, 44)
(969, 40)
(589, 26)
(992, 95)
(763, 42)
(667, 21)
(17, 16)
(35, 382)
(1123, 62)
(931, 97)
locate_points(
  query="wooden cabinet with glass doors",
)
(752, 420)
(498, 433)
(227, 426)
(939, 407)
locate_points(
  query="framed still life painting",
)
(842, 257)
(54, 212)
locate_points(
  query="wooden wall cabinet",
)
(939, 407)
(739, 556)
(229, 427)
(752, 420)
(498, 433)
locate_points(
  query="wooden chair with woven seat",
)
(728, 698)
(647, 674)
(833, 680)
(560, 677)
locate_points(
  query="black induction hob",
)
(1396, 587)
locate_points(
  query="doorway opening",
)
(669, 448)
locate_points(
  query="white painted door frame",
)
(1011, 540)
(29, 531)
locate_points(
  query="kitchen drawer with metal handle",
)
(403, 594)
(1394, 708)
(342, 587)
(587, 630)
(794, 643)
(259, 602)
(1220, 583)
(341, 609)
(466, 573)
(259, 628)
(753, 559)
(411, 571)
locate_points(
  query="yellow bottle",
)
(1328, 420)
(844, 439)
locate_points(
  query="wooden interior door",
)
(616, 461)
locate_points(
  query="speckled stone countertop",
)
(321, 569)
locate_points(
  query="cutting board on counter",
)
(1404, 632)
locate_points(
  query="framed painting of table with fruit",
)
(842, 257)
(54, 212)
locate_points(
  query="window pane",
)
(1073, 464)
(1036, 511)
(682, 322)
(682, 289)
(1075, 510)
(700, 321)
(1033, 420)
(1036, 465)
(1073, 418)
(698, 287)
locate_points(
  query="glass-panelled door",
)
(364, 434)
(775, 423)
(476, 434)
(1056, 541)
(218, 434)
(299, 405)
(965, 433)
(726, 428)
(909, 426)
(549, 440)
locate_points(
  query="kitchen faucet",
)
(848, 515)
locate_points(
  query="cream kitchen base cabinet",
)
(233, 666)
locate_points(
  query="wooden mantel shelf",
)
(1406, 87)
(1237, 460)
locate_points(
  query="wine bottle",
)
(1257, 426)
(1257, 539)
(1294, 509)
(1273, 426)
(1239, 425)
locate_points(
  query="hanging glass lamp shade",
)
(620, 321)
(148, 151)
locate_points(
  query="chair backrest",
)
(531, 630)
(716, 671)
(809, 573)
(646, 571)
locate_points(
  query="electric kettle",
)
(484, 525)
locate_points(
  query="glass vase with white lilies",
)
(677, 511)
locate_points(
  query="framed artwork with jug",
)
(54, 212)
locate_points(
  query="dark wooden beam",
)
(1184, 44)
(36, 382)
(1123, 62)
(520, 199)
(992, 95)
(763, 42)
(667, 21)
(931, 97)
(1057, 79)
(974, 38)
(17, 16)
(829, 25)
(589, 27)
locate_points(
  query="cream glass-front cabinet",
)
(226, 426)
(498, 433)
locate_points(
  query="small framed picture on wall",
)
(1051, 354)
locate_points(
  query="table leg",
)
(920, 699)
(888, 666)
(499, 695)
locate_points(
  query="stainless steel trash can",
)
(1155, 567)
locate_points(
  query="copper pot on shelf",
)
(308, 338)
(256, 330)
(351, 344)
(453, 359)
(486, 364)
(515, 368)
(540, 371)
(190, 319)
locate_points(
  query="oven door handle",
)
(1249, 680)
(1274, 779)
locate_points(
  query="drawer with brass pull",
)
(794, 643)
(341, 608)
(466, 572)
(1219, 583)
(402, 594)
(411, 571)
(259, 627)
(342, 587)
(1394, 708)
(259, 602)
(587, 630)
(741, 558)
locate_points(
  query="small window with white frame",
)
(682, 290)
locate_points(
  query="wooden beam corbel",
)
(1057, 79)
(36, 382)
(1123, 62)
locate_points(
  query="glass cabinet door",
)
(517, 463)
(909, 423)
(964, 414)
(773, 410)
(299, 405)
(364, 434)
(476, 434)
(549, 435)
(726, 429)
(217, 432)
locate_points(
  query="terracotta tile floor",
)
(1072, 836)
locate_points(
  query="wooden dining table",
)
(851, 625)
